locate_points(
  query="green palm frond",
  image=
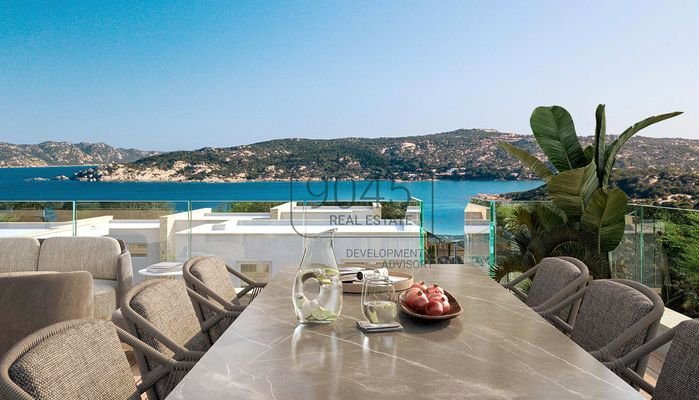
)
(554, 130)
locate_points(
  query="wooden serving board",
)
(401, 281)
(455, 309)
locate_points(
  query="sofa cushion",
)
(96, 255)
(19, 254)
(105, 297)
(33, 300)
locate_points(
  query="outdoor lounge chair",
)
(105, 258)
(81, 359)
(616, 317)
(679, 377)
(555, 279)
(160, 313)
(33, 300)
(210, 277)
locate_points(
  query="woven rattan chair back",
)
(82, 359)
(211, 278)
(617, 316)
(553, 280)
(160, 313)
(65, 361)
(679, 377)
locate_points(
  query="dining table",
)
(498, 348)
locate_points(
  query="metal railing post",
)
(422, 233)
(189, 229)
(641, 245)
(491, 237)
(75, 219)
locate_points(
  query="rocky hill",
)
(460, 155)
(63, 153)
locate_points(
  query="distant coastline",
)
(443, 201)
(660, 171)
(49, 166)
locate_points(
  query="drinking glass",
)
(379, 299)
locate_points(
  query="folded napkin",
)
(357, 274)
(361, 275)
(165, 267)
(349, 274)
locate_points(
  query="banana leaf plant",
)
(537, 230)
(580, 183)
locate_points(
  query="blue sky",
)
(184, 75)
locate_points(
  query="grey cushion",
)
(105, 298)
(213, 273)
(19, 254)
(608, 309)
(167, 306)
(679, 378)
(30, 301)
(96, 255)
(83, 362)
(552, 275)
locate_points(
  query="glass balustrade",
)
(254, 236)
(659, 248)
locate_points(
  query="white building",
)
(258, 244)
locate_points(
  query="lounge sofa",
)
(105, 258)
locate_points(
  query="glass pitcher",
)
(317, 293)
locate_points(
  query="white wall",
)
(284, 250)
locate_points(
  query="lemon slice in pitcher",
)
(321, 314)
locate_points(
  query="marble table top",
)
(497, 349)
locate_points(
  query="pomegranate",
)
(434, 307)
(420, 303)
(436, 295)
(434, 289)
(444, 300)
(411, 295)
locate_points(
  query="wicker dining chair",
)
(679, 377)
(554, 280)
(160, 313)
(210, 277)
(616, 317)
(81, 359)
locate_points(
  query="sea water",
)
(443, 201)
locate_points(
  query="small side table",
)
(171, 274)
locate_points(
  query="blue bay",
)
(444, 201)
